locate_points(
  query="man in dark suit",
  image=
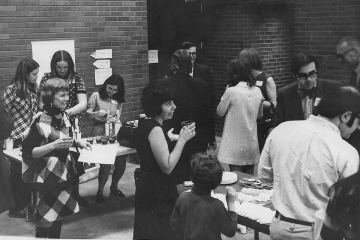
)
(198, 70)
(348, 53)
(191, 98)
(299, 100)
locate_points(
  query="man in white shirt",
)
(304, 158)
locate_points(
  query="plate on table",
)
(228, 178)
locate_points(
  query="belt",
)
(290, 220)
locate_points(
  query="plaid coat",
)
(53, 167)
(21, 110)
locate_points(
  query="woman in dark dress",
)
(62, 66)
(156, 191)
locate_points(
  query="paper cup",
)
(186, 123)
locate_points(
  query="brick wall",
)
(313, 26)
(319, 25)
(95, 24)
(268, 28)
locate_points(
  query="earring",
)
(50, 104)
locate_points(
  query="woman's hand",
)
(82, 143)
(187, 132)
(63, 143)
(101, 113)
(172, 136)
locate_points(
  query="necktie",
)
(304, 92)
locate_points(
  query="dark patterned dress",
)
(76, 86)
(54, 167)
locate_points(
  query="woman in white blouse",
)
(242, 105)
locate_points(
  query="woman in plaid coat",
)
(47, 164)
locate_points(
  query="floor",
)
(110, 220)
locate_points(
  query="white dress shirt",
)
(303, 159)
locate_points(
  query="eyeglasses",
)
(342, 55)
(304, 76)
(192, 53)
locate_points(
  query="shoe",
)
(82, 202)
(117, 193)
(18, 214)
(100, 198)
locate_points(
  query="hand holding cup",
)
(188, 131)
(63, 143)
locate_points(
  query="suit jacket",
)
(192, 101)
(6, 127)
(204, 72)
(289, 106)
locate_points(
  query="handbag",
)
(126, 135)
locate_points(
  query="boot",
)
(41, 232)
(55, 230)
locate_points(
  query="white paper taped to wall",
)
(101, 75)
(43, 51)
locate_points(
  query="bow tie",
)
(304, 92)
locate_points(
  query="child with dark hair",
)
(197, 215)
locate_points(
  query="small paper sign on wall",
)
(101, 75)
(153, 56)
(102, 53)
(104, 63)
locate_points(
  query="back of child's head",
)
(206, 171)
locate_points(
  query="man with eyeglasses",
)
(299, 100)
(304, 158)
(198, 70)
(348, 52)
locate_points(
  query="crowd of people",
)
(304, 137)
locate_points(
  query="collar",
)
(201, 191)
(242, 84)
(52, 111)
(324, 122)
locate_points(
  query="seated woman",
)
(47, 165)
(342, 220)
(156, 191)
(109, 98)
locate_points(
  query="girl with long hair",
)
(20, 99)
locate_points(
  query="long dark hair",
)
(59, 56)
(344, 204)
(239, 70)
(20, 78)
(115, 80)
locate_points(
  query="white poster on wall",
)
(101, 75)
(43, 51)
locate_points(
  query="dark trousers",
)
(21, 193)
